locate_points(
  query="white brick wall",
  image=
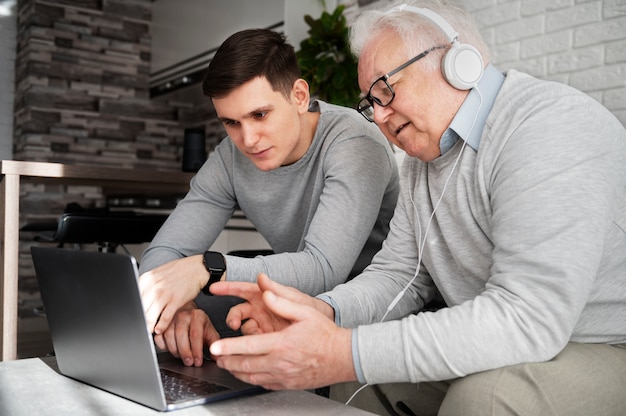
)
(578, 42)
(8, 29)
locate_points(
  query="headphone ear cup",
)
(462, 66)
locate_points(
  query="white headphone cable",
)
(422, 242)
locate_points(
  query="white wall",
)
(577, 42)
(184, 29)
(296, 28)
(180, 33)
(8, 31)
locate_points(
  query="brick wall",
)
(580, 43)
(8, 29)
(577, 42)
(82, 97)
(81, 93)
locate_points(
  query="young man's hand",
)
(187, 334)
(165, 289)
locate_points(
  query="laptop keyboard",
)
(180, 387)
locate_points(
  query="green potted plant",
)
(326, 61)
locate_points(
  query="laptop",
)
(100, 336)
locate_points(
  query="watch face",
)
(216, 266)
(214, 261)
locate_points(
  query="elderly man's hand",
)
(253, 317)
(296, 343)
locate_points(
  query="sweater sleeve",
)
(198, 218)
(358, 174)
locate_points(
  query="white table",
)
(33, 386)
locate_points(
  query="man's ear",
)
(300, 95)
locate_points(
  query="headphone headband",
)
(439, 21)
(462, 65)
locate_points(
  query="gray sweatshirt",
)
(528, 246)
(323, 215)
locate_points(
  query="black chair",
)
(101, 226)
(107, 229)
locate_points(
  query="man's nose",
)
(249, 135)
(381, 114)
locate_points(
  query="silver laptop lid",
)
(97, 323)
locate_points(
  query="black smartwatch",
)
(215, 264)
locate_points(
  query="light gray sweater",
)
(320, 214)
(528, 246)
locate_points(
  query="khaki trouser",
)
(584, 379)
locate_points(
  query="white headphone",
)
(462, 65)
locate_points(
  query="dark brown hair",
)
(249, 54)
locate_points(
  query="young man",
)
(318, 182)
(512, 206)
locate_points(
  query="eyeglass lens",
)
(364, 107)
(380, 93)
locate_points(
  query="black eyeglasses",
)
(381, 92)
